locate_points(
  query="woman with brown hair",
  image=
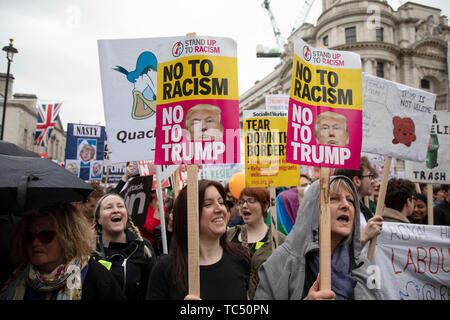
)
(52, 246)
(224, 266)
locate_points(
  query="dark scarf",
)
(342, 282)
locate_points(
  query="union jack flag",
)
(47, 115)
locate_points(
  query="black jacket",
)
(100, 284)
(129, 265)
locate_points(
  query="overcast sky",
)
(57, 40)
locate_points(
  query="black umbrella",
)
(28, 182)
(11, 149)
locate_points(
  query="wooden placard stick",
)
(416, 184)
(193, 230)
(380, 202)
(106, 179)
(176, 183)
(193, 225)
(273, 215)
(430, 213)
(325, 230)
(162, 216)
(366, 201)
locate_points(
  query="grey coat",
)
(282, 276)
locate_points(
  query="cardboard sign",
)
(147, 168)
(436, 168)
(265, 150)
(137, 196)
(412, 262)
(198, 102)
(84, 150)
(277, 102)
(325, 108)
(396, 119)
(128, 69)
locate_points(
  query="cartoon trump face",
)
(203, 122)
(331, 128)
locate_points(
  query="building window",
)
(380, 69)
(350, 35)
(25, 138)
(380, 37)
(325, 41)
(425, 84)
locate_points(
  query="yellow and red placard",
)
(325, 108)
(197, 118)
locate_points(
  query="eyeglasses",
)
(45, 236)
(248, 201)
(370, 176)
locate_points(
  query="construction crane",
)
(306, 8)
(276, 31)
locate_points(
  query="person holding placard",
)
(364, 181)
(292, 270)
(399, 202)
(224, 266)
(255, 235)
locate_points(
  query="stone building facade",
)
(21, 119)
(408, 46)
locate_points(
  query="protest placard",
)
(265, 150)
(396, 119)
(148, 168)
(412, 262)
(128, 72)
(137, 197)
(198, 101)
(84, 150)
(436, 168)
(325, 98)
(277, 102)
(217, 172)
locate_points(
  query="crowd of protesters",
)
(92, 250)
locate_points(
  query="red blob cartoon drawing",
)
(404, 131)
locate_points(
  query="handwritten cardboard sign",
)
(412, 262)
(396, 119)
(436, 167)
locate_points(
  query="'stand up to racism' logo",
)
(177, 49)
(307, 53)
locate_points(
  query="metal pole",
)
(5, 100)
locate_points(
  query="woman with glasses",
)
(255, 235)
(52, 247)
